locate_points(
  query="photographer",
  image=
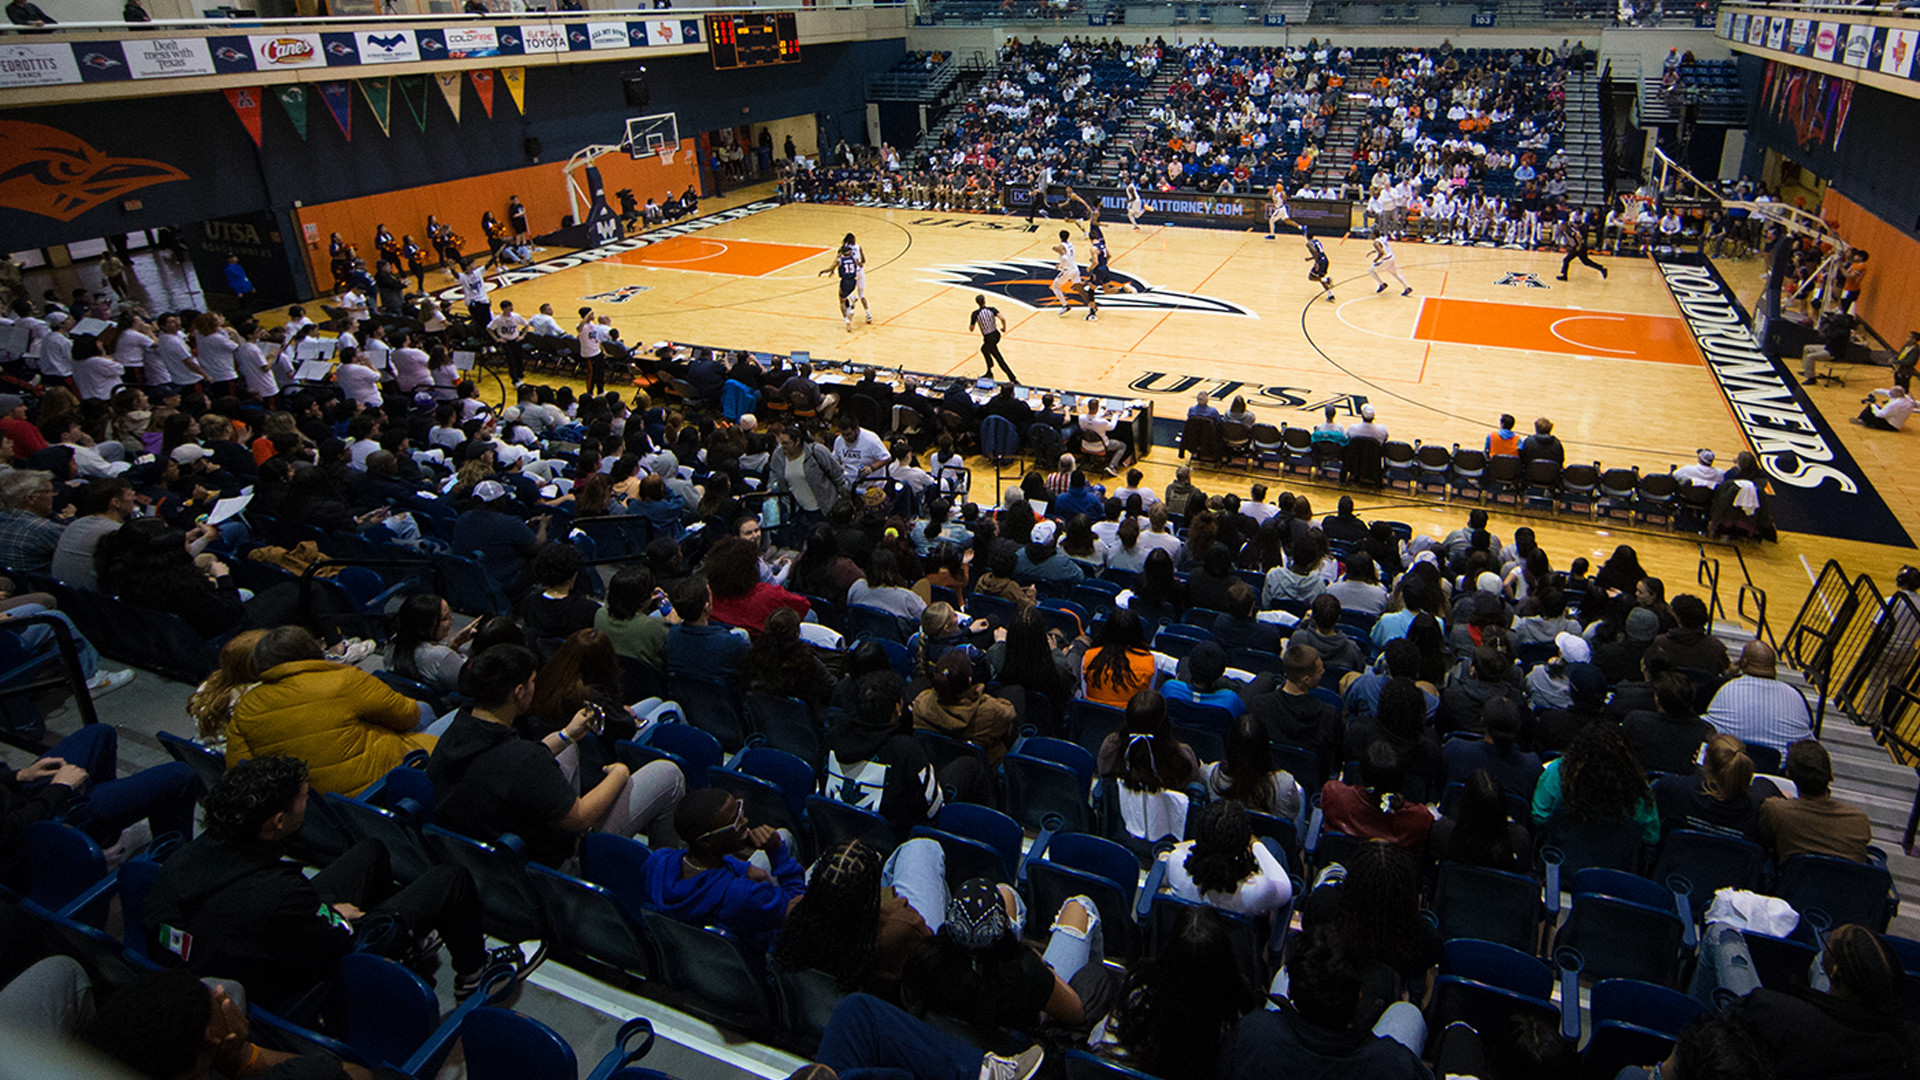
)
(1889, 417)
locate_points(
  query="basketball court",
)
(1611, 362)
(739, 258)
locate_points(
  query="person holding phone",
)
(487, 780)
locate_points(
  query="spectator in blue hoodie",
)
(1080, 497)
(714, 880)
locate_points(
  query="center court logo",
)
(1520, 279)
(620, 295)
(1029, 283)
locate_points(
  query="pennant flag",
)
(294, 100)
(516, 80)
(413, 91)
(379, 94)
(450, 89)
(339, 101)
(246, 102)
(483, 85)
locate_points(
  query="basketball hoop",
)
(666, 156)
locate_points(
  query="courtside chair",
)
(1469, 470)
(1436, 468)
(1579, 486)
(1543, 483)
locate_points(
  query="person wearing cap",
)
(1757, 708)
(1366, 427)
(506, 545)
(1547, 685)
(975, 968)
(1040, 560)
(1701, 473)
(1620, 658)
(56, 349)
(14, 425)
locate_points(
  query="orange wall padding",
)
(1888, 301)
(459, 203)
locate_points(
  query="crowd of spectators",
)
(1397, 666)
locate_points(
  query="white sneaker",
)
(106, 682)
(1066, 309)
(1093, 316)
(995, 1067)
(869, 316)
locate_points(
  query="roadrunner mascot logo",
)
(1029, 283)
(46, 171)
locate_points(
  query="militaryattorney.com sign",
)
(1321, 216)
(1818, 488)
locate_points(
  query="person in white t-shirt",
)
(860, 451)
(357, 380)
(296, 320)
(545, 324)
(506, 329)
(1066, 270)
(410, 370)
(473, 289)
(95, 375)
(1889, 417)
(250, 359)
(355, 306)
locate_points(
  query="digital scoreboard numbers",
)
(753, 39)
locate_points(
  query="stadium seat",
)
(712, 972)
(831, 823)
(1839, 891)
(587, 922)
(1619, 926)
(501, 1044)
(511, 911)
(1706, 863)
(1488, 905)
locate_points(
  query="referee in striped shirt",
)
(991, 325)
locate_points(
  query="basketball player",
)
(1066, 271)
(991, 325)
(1318, 256)
(1277, 208)
(1577, 249)
(1086, 208)
(1383, 259)
(849, 270)
(1136, 206)
(859, 279)
(1100, 273)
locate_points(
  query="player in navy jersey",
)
(847, 264)
(1318, 273)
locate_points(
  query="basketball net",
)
(1682, 189)
(666, 156)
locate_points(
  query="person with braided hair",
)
(1224, 867)
(1859, 1025)
(1600, 780)
(1372, 903)
(855, 922)
(977, 970)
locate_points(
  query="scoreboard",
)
(753, 39)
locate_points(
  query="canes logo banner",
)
(46, 171)
(1029, 283)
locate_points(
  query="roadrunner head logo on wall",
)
(1029, 283)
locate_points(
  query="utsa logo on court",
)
(1520, 279)
(1029, 283)
(620, 295)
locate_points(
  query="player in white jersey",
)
(1066, 270)
(1136, 206)
(1277, 209)
(852, 247)
(1383, 259)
